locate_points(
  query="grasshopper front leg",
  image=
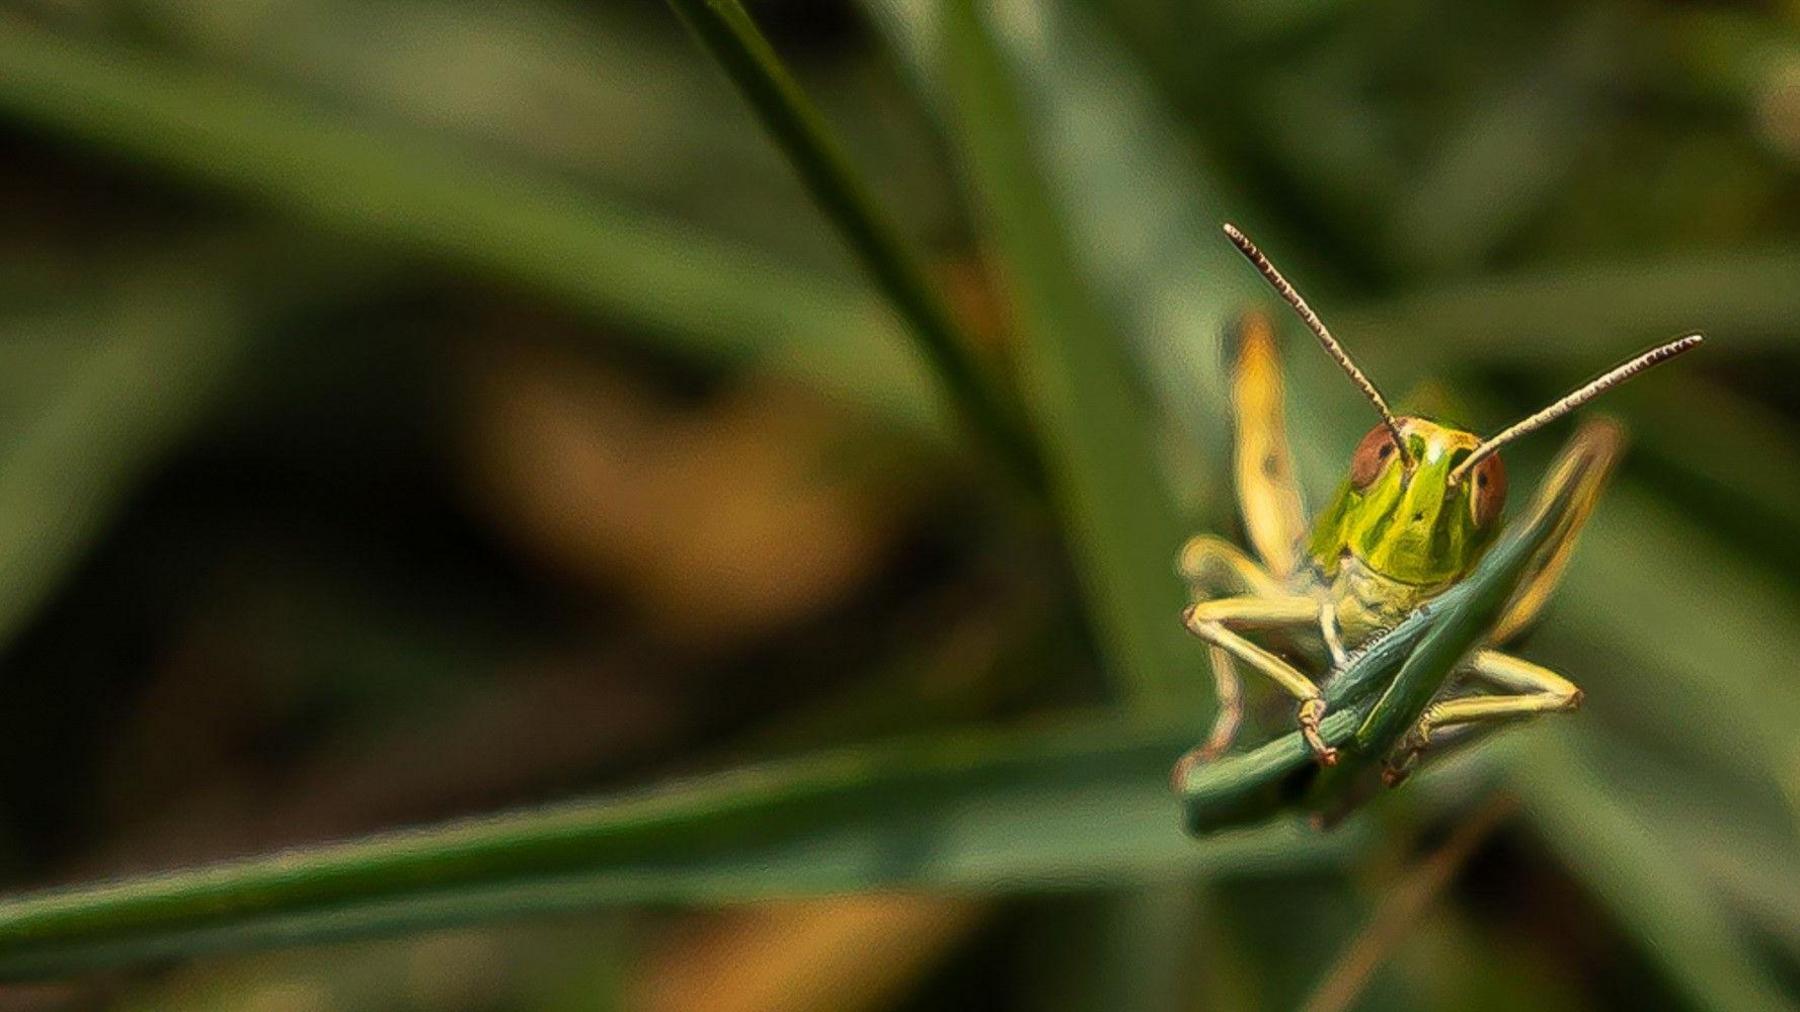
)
(1533, 689)
(1218, 623)
(1213, 566)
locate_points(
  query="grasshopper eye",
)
(1487, 491)
(1372, 454)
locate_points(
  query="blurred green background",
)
(415, 408)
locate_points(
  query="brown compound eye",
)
(1487, 491)
(1372, 454)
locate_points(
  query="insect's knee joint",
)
(1183, 766)
(1193, 557)
(1571, 700)
(1201, 619)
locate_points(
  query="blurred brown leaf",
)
(845, 954)
(718, 521)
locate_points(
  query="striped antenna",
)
(1574, 399)
(1317, 326)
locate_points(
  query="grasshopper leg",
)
(1262, 462)
(1333, 634)
(1533, 690)
(1211, 565)
(1586, 462)
(1217, 622)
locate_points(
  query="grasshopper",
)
(1419, 509)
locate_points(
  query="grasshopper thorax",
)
(1407, 517)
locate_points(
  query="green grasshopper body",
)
(1415, 518)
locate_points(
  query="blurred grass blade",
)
(1631, 867)
(1083, 805)
(1720, 823)
(1099, 431)
(1720, 675)
(1585, 312)
(1108, 236)
(1403, 906)
(1512, 153)
(1734, 454)
(1140, 204)
(914, 32)
(727, 32)
(129, 372)
(1755, 870)
(420, 194)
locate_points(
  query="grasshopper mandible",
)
(1418, 510)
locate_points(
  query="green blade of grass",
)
(1090, 405)
(1722, 825)
(796, 126)
(384, 64)
(1030, 809)
(1755, 871)
(1458, 629)
(1141, 206)
(1125, 262)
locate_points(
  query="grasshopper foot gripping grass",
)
(1397, 577)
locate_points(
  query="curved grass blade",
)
(98, 424)
(727, 32)
(1081, 806)
(1721, 826)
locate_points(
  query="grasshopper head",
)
(1416, 525)
(1423, 500)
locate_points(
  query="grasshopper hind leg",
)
(1262, 460)
(1528, 689)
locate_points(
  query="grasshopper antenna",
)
(1574, 399)
(1317, 326)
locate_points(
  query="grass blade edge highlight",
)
(726, 31)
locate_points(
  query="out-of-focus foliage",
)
(416, 409)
